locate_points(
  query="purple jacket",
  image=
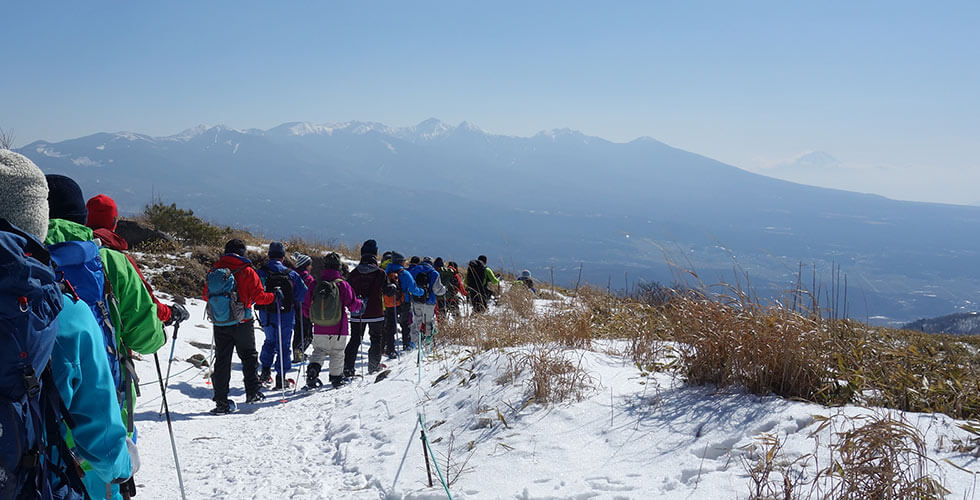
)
(347, 298)
(310, 282)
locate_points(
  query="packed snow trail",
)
(632, 437)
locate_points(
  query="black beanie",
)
(397, 258)
(65, 200)
(235, 246)
(370, 247)
(438, 262)
(415, 260)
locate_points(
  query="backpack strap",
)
(54, 413)
(123, 354)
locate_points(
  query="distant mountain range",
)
(967, 323)
(555, 201)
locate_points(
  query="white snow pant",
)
(422, 313)
(333, 346)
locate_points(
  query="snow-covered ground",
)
(632, 437)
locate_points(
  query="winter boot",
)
(266, 376)
(255, 397)
(336, 381)
(280, 383)
(221, 407)
(313, 376)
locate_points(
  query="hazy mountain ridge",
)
(553, 199)
(967, 323)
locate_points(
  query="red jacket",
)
(112, 240)
(250, 289)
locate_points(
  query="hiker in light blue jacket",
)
(80, 369)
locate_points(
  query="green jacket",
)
(135, 318)
(491, 278)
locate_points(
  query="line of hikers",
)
(332, 312)
(76, 310)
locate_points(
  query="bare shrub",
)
(518, 300)
(765, 459)
(554, 377)
(6, 138)
(885, 458)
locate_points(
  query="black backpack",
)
(476, 277)
(422, 281)
(282, 281)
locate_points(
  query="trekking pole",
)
(282, 362)
(302, 342)
(166, 382)
(170, 427)
(425, 453)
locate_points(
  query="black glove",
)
(178, 314)
(390, 290)
(279, 295)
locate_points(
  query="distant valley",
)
(623, 213)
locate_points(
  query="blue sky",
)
(887, 85)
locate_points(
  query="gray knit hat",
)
(23, 194)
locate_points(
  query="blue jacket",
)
(299, 287)
(426, 268)
(80, 368)
(405, 279)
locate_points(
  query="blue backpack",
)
(31, 409)
(78, 262)
(224, 307)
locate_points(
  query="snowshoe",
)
(381, 376)
(312, 385)
(254, 398)
(337, 381)
(223, 407)
(265, 378)
(372, 371)
(279, 385)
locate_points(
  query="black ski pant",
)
(302, 332)
(240, 338)
(404, 320)
(375, 332)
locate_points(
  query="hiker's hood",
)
(61, 230)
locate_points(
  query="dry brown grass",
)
(878, 457)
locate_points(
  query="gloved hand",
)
(279, 294)
(178, 314)
(390, 290)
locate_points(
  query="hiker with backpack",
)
(277, 318)
(109, 284)
(367, 280)
(54, 375)
(231, 288)
(476, 285)
(525, 278)
(398, 288)
(302, 328)
(327, 305)
(102, 219)
(448, 303)
(491, 278)
(424, 306)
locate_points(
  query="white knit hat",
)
(23, 194)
